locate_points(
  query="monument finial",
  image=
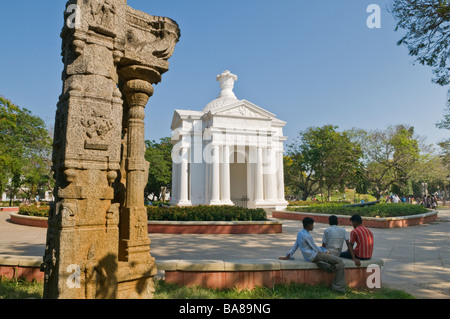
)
(227, 80)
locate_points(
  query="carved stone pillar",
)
(97, 235)
(134, 257)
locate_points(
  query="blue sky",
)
(309, 62)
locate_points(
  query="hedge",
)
(206, 213)
(381, 210)
(311, 202)
(14, 203)
(33, 210)
(195, 213)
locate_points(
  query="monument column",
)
(226, 199)
(259, 182)
(215, 176)
(184, 176)
(251, 161)
(280, 177)
(175, 184)
(269, 175)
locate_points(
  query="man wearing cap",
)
(363, 238)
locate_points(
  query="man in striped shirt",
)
(363, 238)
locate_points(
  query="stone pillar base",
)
(181, 203)
(142, 288)
(227, 203)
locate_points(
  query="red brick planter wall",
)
(180, 227)
(9, 209)
(28, 273)
(394, 222)
(215, 227)
(355, 278)
(29, 220)
(221, 274)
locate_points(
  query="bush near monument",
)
(206, 213)
(6, 204)
(33, 210)
(381, 210)
(314, 202)
(195, 213)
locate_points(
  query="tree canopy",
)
(427, 25)
(321, 157)
(159, 155)
(25, 148)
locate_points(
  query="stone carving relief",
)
(242, 111)
(68, 212)
(141, 226)
(103, 14)
(112, 216)
(97, 126)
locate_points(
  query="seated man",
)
(314, 254)
(363, 238)
(334, 237)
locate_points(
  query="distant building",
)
(231, 153)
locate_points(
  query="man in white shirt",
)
(334, 237)
(312, 253)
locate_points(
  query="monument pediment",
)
(243, 109)
(182, 115)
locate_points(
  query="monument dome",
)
(227, 96)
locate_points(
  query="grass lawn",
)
(19, 289)
(13, 289)
(291, 291)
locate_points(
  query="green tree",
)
(159, 155)
(25, 147)
(427, 25)
(389, 157)
(431, 170)
(445, 144)
(322, 157)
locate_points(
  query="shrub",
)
(206, 213)
(382, 210)
(6, 203)
(310, 202)
(33, 210)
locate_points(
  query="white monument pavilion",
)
(231, 153)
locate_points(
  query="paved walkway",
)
(417, 258)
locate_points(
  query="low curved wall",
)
(252, 227)
(169, 227)
(29, 220)
(373, 222)
(9, 209)
(223, 274)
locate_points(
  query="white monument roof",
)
(227, 95)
